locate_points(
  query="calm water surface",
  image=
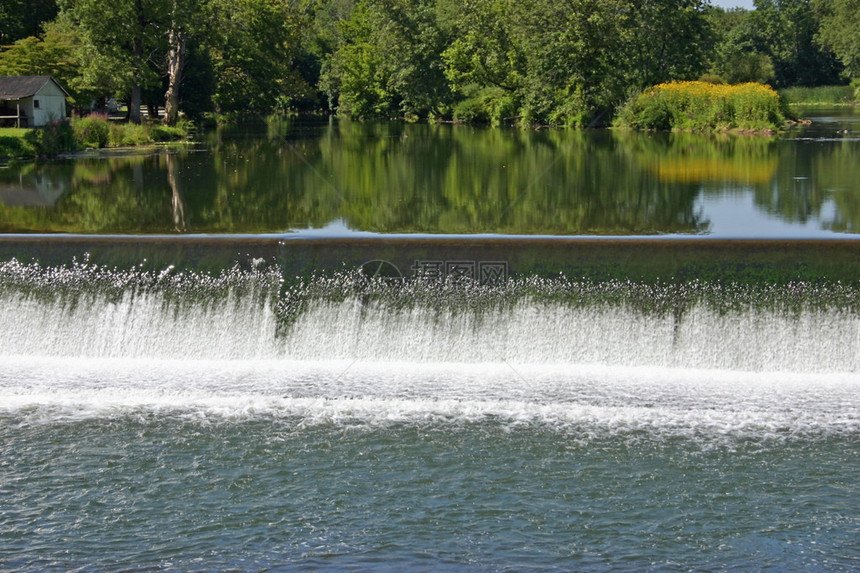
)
(402, 178)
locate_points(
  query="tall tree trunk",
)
(134, 104)
(175, 63)
(137, 53)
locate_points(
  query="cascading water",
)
(542, 349)
(307, 396)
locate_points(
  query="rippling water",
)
(185, 422)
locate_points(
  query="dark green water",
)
(403, 178)
(179, 491)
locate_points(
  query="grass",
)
(94, 131)
(14, 143)
(822, 95)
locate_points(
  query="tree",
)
(786, 31)
(736, 57)
(667, 39)
(388, 60)
(253, 46)
(54, 54)
(840, 31)
(20, 19)
(119, 46)
(182, 17)
(485, 50)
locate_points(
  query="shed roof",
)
(16, 87)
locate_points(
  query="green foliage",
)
(55, 138)
(161, 133)
(776, 43)
(54, 54)
(486, 105)
(121, 134)
(821, 95)
(785, 30)
(92, 131)
(699, 106)
(24, 18)
(116, 45)
(840, 32)
(387, 61)
(251, 46)
(52, 139)
(567, 63)
(15, 143)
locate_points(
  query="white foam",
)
(149, 325)
(370, 394)
(176, 349)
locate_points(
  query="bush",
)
(470, 111)
(91, 131)
(167, 132)
(52, 139)
(55, 138)
(701, 106)
(486, 105)
(124, 134)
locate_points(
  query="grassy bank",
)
(702, 106)
(91, 132)
(14, 143)
(823, 95)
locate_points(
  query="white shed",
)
(31, 101)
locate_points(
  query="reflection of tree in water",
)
(838, 174)
(29, 186)
(119, 195)
(396, 177)
(812, 176)
(442, 178)
(680, 157)
(176, 193)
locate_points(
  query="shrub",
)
(702, 106)
(571, 109)
(167, 132)
(122, 134)
(91, 131)
(486, 105)
(52, 139)
(470, 111)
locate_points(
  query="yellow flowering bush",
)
(702, 106)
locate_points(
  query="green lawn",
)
(14, 144)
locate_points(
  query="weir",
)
(746, 305)
(484, 258)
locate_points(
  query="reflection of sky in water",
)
(729, 4)
(735, 215)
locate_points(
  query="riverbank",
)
(829, 96)
(86, 133)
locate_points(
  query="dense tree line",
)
(570, 62)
